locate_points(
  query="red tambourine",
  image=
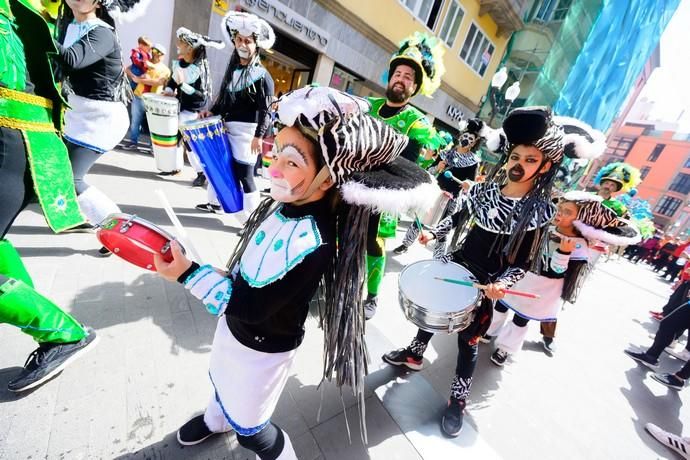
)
(135, 239)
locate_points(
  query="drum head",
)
(418, 284)
(134, 239)
(196, 124)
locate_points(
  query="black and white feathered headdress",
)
(125, 10)
(555, 136)
(236, 22)
(362, 153)
(598, 222)
(195, 40)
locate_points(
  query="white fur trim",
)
(495, 138)
(580, 195)
(583, 148)
(394, 201)
(462, 125)
(134, 13)
(592, 233)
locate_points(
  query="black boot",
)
(452, 417)
(200, 180)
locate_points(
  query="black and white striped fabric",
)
(455, 159)
(490, 209)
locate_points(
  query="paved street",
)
(148, 375)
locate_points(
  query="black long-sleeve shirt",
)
(246, 99)
(271, 318)
(93, 64)
(194, 101)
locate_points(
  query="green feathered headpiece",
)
(424, 53)
(628, 177)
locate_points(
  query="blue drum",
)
(207, 138)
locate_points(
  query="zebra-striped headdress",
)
(598, 222)
(361, 152)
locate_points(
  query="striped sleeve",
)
(213, 289)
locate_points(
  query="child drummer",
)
(333, 164)
(507, 219)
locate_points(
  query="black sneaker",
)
(174, 172)
(130, 146)
(451, 423)
(643, 359)
(549, 346)
(486, 338)
(194, 432)
(104, 252)
(404, 358)
(670, 380)
(499, 357)
(48, 360)
(200, 180)
(208, 207)
(370, 306)
(402, 249)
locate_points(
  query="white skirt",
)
(240, 135)
(247, 383)
(97, 125)
(545, 308)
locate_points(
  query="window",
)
(681, 184)
(667, 206)
(476, 50)
(552, 10)
(644, 171)
(451, 23)
(426, 10)
(620, 146)
(656, 152)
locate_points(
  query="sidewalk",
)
(148, 375)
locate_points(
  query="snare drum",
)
(208, 139)
(161, 114)
(134, 239)
(434, 305)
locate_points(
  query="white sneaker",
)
(670, 440)
(683, 354)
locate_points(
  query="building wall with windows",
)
(663, 157)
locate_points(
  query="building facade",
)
(663, 157)
(347, 43)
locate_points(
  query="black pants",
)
(245, 175)
(16, 187)
(679, 296)
(671, 327)
(267, 444)
(82, 160)
(684, 372)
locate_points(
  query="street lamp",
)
(502, 104)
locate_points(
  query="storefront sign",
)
(454, 112)
(283, 17)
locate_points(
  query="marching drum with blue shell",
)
(207, 138)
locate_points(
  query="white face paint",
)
(244, 53)
(291, 164)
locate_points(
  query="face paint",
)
(288, 157)
(244, 53)
(516, 173)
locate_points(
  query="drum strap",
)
(320, 178)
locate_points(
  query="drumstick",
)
(449, 175)
(529, 295)
(181, 232)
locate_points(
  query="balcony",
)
(507, 14)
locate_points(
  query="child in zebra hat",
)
(333, 165)
(580, 221)
(505, 221)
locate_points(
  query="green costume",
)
(25, 33)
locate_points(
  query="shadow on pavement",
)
(59, 251)
(663, 410)
(181, 317)
(217, 447)
(8, 374)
